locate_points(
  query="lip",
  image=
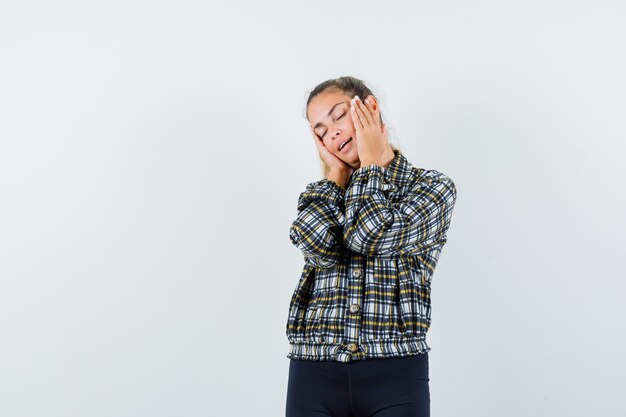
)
(345, 147)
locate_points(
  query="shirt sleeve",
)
(317, 230)
(417, 223)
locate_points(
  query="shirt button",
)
(357, 272)
(354, 308)
(352, 347)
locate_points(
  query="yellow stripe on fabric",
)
(313, 243)
(387, 323)
(413, 290)
(329, 298)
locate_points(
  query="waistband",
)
(382, 348)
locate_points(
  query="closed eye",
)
(343, 114)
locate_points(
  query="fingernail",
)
(357, 97)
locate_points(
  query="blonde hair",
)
(351, 86)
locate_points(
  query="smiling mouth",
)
(344, 144)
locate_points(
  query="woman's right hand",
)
(334, 163)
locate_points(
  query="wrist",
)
(382, 159)
(365, 163)
(339, 176)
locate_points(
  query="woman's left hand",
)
(371, 136)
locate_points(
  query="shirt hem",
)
(371, 349)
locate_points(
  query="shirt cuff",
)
(372, 178)
(324, 189)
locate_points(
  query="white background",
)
(151, 158)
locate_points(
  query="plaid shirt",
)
(370, 251)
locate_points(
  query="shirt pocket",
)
(327, 279)
(381, 316)
(299, 305)
(324, 320)
(414, 289)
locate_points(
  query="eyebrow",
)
(329, 113)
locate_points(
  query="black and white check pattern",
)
(369, 255)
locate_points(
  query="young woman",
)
(371, 232)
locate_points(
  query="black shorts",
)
(387, 387)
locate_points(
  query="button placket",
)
(356, 296)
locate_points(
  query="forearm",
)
(418, 222)
(317, 229)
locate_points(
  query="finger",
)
(358, 125)
(369, 103)
(361, 111)
(324, 152)
(317, 139)
(356, 117)
(367, 117)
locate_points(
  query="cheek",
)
(348, 124)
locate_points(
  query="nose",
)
(337, 133)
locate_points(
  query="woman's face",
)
(331, 119)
